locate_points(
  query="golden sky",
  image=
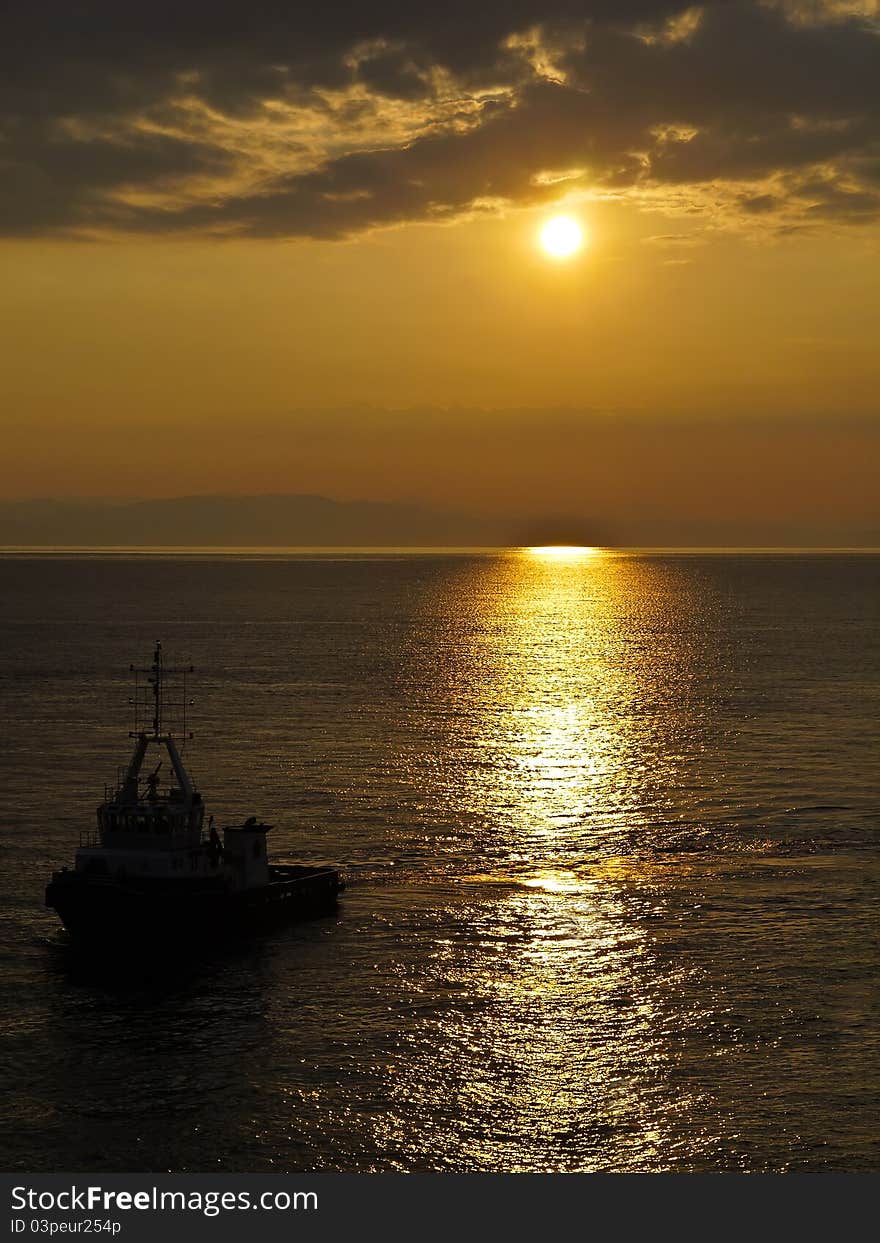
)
(306, 259)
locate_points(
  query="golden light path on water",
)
(557, 1056)
(562, 552)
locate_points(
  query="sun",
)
(561, 237)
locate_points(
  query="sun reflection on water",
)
(554, 881)
(555, 1054)
(563, 552)
(560, 696)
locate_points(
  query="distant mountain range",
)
(239, 521)
(317, 521)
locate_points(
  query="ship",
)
(156, 868)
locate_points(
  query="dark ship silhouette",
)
(152, 872)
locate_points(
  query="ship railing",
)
(88, 837)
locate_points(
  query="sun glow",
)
(563, 552)
(561, 237)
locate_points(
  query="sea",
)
(610, 827)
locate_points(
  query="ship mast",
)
(156, 679)
(154, 720)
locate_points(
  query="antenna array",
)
(160, 699)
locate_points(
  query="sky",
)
(257, 248)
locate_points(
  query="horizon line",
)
(208, 550)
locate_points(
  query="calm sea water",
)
(611, 832)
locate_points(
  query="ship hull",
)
(120, 913)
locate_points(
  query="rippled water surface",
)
(610, 826)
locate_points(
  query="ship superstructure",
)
(143, 830)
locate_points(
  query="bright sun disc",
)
(562, 237)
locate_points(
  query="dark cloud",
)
(271, 119)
